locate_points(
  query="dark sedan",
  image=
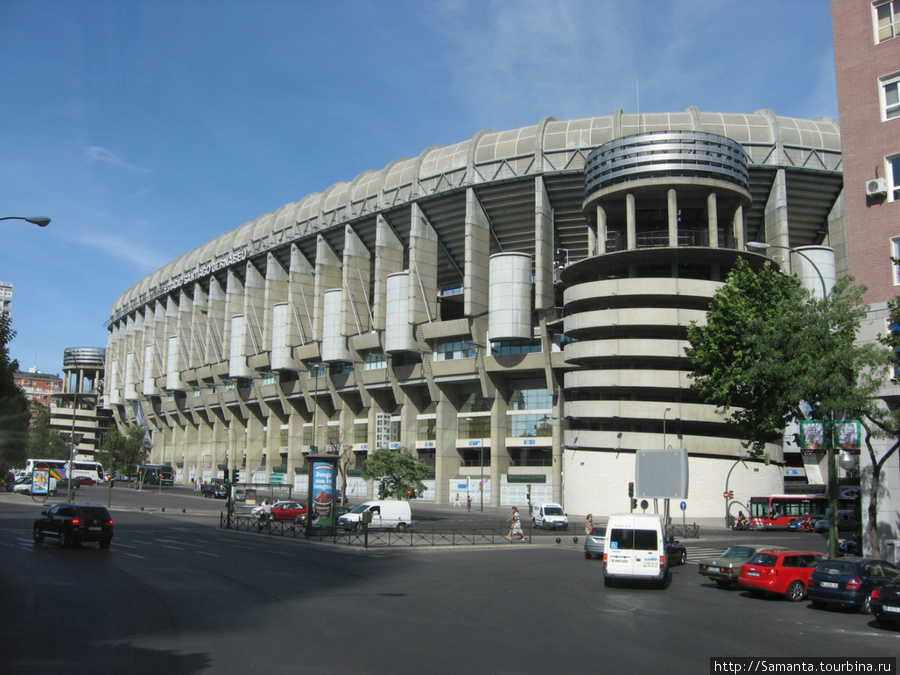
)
(849, 582)
(676, 553)
(886, 602)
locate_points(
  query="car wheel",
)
(534, 524)
(588, 555)
(819, 604)
(866, 606)
(795, 591)
(65, 539)
(104, 543)
(401, 527)
(683, 559)
(38, 535)
(723, 583)
(607, 581)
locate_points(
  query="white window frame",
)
(895, 253)
(895, 19)
(884, 83)
(893, 184)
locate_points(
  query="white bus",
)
(59, 468)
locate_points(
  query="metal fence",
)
(366, 538)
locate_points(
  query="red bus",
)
(776, 511)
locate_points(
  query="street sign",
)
(684, 506)
(725, 494)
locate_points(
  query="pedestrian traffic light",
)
(631, 489)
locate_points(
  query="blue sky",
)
(147, 128)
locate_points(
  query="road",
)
(175, 594)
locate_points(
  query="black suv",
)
(75, 523)
(215, 488)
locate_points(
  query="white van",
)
(635, 548)
(385, 513)
(549, 517)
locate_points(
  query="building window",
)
(361, 432)
(893, 175)
(530, 394)
(375, 361)
(268, 377)
(890, 97)
(531, 426)
(895, 253)
(426, 428)
(456, 349)
(887, 20)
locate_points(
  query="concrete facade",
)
(366, 314)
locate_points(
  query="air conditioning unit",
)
(875, 187)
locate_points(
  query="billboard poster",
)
(847, 434)
(812, 435)
(322, 492)
(40, 482)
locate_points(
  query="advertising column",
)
(322, 479)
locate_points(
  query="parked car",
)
(63, 484)
(784, 572)
(848, 521)
(215, 489)
(595, 542)
(885, 602)
(725, 568)
(676, 553)
(75, 523)
(287, 510)
(849, 582)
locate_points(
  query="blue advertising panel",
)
(40, 482)
(322, 475)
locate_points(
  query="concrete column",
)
(602, 232)
(499, 453)
(712, 215)
(630, 223)
(673, 216)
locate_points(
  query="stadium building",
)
(512, 308)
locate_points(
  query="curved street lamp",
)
(40, 221)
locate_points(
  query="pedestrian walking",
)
(469, 503)
(589, 524)
(456, 504)
(516, 527)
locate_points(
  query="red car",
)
(779, 571)
(85, 480)
(288, 510)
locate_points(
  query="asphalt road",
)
(175, 594)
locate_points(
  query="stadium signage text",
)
(204, 269)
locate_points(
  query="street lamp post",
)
(665, 412)
(40, 221)
(829, 424)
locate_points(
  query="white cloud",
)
(97, 154)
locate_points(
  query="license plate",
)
(892, 609)
(95, 529)
(828, 584)
(752, 574)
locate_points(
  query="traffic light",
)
(226, 475)
(731, 494)
(631, 489)
(237, 476)
(633, 503)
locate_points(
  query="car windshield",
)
(553, 511)
(835, 568)
(360, 508)
(738, 552)
(764, 559)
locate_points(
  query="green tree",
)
(15, 415)
(398, 472)
(126, 451)
(770, 352)
(748, 324)
(44, 442)
(338, 444)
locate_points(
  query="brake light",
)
(604, 558)
(662, 562)
(876, 594)
(772, 572)
(110, 522)
(75, 521)
(854, 584)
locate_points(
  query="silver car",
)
(595, 542)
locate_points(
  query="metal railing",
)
(367, 538)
